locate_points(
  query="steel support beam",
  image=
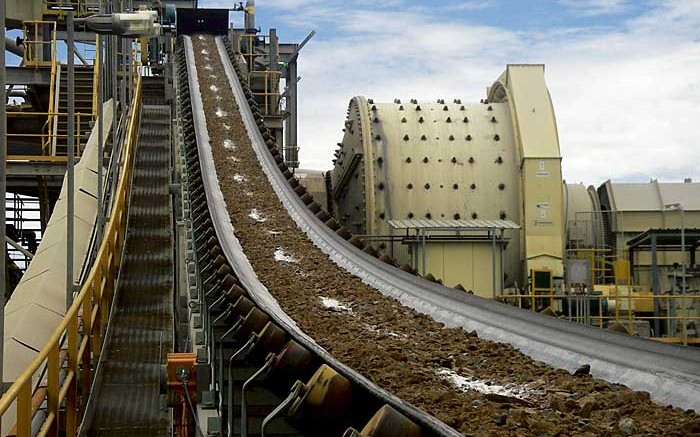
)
(114, 42)
(655, 285)
(27, 76)
(290, 152)
(81, 37)
(22, 168)
(70, 164)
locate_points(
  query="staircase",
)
(128, 402)
(84, 91)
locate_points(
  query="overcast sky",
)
(624, 75)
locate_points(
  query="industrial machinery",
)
(448, 161)
(150, 286)
(456, 189)
(641, 241)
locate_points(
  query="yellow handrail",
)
(90, 307)
(34, 43)
(270, 94)
(95, 70)
(50, 137)
(629, 317)
(46, 147)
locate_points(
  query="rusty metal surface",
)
(129, 400)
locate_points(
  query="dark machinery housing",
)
(209, 21)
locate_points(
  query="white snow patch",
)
(227, 127)
(208, 67)
(281, 255)
(249, 193)
(233, 159)
(201, 37)
(378, 330)
(257, 216)
(274, 232)
(214, 88)
(239, 178)
(476, 384)
(212, 76)
(335, 304)
(220, 112)
(228, 144)
(204, 52)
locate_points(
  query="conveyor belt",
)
(127, 400)
(670, 373)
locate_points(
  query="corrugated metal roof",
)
(453, 224)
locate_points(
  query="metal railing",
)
(270, 94)
(23, 215)
(579, 306)
(34, 44)
(271, 79)
(69, 363)
(600, 262)
(49, 136)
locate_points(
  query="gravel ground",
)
(478, 387)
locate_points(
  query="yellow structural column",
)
(537, 142)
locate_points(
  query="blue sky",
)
(518, 15)
(624, 75)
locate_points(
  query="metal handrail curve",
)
(91, 308)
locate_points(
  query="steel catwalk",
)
(127, 400)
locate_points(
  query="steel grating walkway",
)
(128, 400)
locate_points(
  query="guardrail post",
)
(105, 284)
(96, 331)
(52, 364)
(71, 378)
(24, 410)
(85, 372)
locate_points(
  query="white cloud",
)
(470, 5)
(597, 7)
(627, 101)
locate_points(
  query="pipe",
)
(293, 395)
(17, 93)
(17, 246)
(100, 135)
(12, 47)
(244, 413)
(250, 16)
(247, 347)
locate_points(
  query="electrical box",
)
(542, 281)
